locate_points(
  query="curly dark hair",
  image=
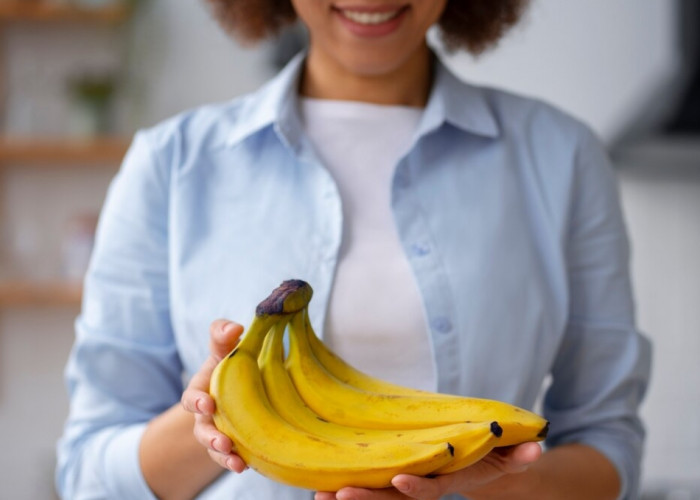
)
(474, 25)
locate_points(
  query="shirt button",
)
(442, 324)
(419, 250)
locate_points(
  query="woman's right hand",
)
(223, 337)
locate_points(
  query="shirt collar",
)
(461, 105)
(276, 104)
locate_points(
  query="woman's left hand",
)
(502, 464)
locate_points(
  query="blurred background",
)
(78, 77)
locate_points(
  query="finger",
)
(518, 458)
(196, 401)
(228, 461)
(498, 463)
(206, 433)
(223, 337)
(324, 495)
(367, 494)
(421, 488)
(195, 398)
(202, 378)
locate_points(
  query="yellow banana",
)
(270, 445)
(337, 401)
(471, 441)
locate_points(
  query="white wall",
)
(662, 203)
(597, 59)
(33, 347)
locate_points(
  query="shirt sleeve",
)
(602, 369)
(124, 368)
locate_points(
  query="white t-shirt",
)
(375, 319)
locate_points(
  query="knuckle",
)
(218, 458)
(189, 401)
(200, 437)
(203, 434)
(184, 402)
(217, 325)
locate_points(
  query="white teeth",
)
(369, 17)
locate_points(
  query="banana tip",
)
(545, 430)
(496, 429)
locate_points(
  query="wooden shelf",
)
(30, 294)
(54, 11)
(51, 152)
(54, 152)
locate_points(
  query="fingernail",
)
(198, 405)
(215, 444)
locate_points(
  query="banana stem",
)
(298, 333)
(272, 345)
(252, 340)
(290, 297)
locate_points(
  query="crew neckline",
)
(349, 108)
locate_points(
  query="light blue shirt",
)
(507, 210)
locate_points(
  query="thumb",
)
(223, 337)
(514, 459)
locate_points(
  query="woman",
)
(479, 249)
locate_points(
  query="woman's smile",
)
(356, 44)
(372, 21)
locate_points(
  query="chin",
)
(373, 64)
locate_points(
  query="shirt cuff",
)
(122, 469)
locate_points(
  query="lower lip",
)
(373, 30)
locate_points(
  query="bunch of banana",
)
(310, 420)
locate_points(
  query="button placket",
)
(441, 324)
(419, 249)
(329, 229)
(431, 277)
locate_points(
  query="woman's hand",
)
(223, 337)
(499, 466)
